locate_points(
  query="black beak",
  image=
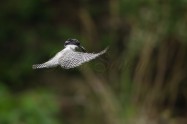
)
(82, 48)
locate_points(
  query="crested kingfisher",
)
(70, 57)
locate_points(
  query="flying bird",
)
(70, 57)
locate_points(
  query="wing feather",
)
(73, 59)
(53, 62)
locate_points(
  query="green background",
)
(142, 79)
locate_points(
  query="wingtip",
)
(37, 66)
(105, 50)
(34, 66)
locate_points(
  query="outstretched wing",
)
(44, 65)
(73, 59)
(53, 62)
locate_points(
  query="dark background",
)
(142, 79)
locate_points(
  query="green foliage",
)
(31, 107)
(141, 79)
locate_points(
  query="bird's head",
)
(71, 42)
(74, 43)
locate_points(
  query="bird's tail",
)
(37, 66)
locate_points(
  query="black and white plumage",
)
(69, 57)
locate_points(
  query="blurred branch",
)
(143, 67)
(177, 75)
(114, 14)
(88, 26)
(104, 93)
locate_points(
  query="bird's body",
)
(69, 57)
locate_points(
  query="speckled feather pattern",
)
(69, 59)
